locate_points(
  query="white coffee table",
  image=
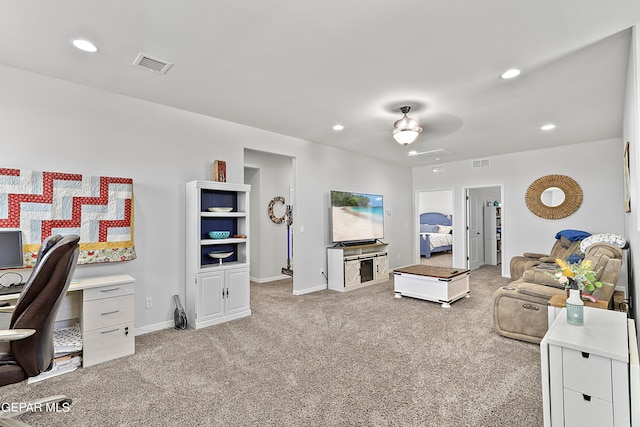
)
(438, 284)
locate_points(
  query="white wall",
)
(631, 133)
(52, 125)
(252, 177)
(596, 166)
(436, 201)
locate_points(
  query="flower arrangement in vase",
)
(580, 279)
(582, 273)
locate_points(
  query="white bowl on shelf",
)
(219, 209)
(220, 255)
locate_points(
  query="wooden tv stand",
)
(355, 266)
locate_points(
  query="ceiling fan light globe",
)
(406, 130)
(405, 136)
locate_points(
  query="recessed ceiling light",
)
(338, 127)
(509, 74)
(84, 45)
(412, 153)
(548, 126)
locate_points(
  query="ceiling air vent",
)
(481, 163)
(152, 64)
(433, 154)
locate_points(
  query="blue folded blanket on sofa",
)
(573, 235)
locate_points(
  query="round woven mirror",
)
(538, 191)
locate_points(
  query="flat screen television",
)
(11, 249)
(356, 217)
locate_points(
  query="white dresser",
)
(585, 377)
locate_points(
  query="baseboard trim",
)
(269, 279)
(155, 327)
(310, 290)
(221, 319)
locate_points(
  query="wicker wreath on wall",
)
(272, 216)
(572, 196)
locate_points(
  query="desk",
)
(104, 306)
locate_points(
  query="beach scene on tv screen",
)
(356, 216)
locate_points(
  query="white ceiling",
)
(298, 67)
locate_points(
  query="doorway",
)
(483, 224)
(435, 201)
(271, 177)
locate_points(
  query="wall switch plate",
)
(149, 302)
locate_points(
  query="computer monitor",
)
(11, 249)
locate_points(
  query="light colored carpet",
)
(323, 359)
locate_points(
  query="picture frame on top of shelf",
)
(219, 171)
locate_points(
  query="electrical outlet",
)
(149, 302)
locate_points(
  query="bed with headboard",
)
(436, 233)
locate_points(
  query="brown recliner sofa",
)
(520, 309)
(562, 248)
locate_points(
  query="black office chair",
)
(32, 321)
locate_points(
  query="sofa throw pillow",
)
(613, 239)
(428, 228)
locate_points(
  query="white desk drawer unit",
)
(587, 373)
(585, 379)
(107, 323)
(104, 306)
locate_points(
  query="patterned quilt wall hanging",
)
(99, 209)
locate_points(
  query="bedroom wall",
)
(596, 166)
(50, 124)
(436, 201)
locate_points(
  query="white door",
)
(474, 233)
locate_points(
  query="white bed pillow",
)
(445, 229)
